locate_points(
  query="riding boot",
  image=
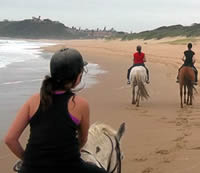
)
(196, 77)
(147, 81)
(177, 79)
(128, 75)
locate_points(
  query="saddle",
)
(195, 70)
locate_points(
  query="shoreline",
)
(160, 137)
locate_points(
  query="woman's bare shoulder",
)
(34, 99)
(80, 100)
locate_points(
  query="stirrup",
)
(147, 82)
(18, 165)
(128, 82)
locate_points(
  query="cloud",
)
(126, 15)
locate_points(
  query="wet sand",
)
(160, 137)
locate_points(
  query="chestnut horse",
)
(186, 81)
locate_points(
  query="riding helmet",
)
(66, 64)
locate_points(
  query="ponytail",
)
(139, 49)
(46, 92)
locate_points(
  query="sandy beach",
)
(160, 137)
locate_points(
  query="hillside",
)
(166, 31)
(36, 28)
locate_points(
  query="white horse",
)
(138, 77)
(102, 148)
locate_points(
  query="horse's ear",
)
(120, 131)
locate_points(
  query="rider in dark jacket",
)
(189, 60)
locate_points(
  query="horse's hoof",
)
(133, 103)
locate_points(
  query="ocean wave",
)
(12, 51)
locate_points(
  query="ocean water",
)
(23, 66)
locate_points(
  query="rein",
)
(85, 151)
(118, 158)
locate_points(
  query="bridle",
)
(118, 156)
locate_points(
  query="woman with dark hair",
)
(189, 60)
(138, 60)
(58, 119)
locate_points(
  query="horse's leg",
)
(138, 97)
(133, 95)
(181, 95)
(187, 95)
(184, 88)
(191, 94)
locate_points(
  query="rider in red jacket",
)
(138, 60)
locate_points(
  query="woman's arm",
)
(183, 58)
(193, 59)
(84, 123)
(16, 129)
(145, 59)
(79, 108)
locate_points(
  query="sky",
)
(122, 15)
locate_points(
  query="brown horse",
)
(186, 81)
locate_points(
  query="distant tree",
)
(47, 20)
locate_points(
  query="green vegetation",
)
(36, 28)
(166, 31)
(183, 41)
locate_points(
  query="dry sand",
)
(160, 137)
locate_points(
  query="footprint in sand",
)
(147, 170)
(197, 124)
(167, 160)
(141, 159)
(179, 139)
(195, 148)
(143, 112)
(181, 144)
(162, 151)
(172, 122)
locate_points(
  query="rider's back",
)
(138, 58)
(188, 57)
(52, 144)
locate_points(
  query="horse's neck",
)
(102, 156)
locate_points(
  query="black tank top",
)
(53, 141)
(188, 55)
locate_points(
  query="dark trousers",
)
(195, 71)
(83, 167)
(91, 168)
(134, 65)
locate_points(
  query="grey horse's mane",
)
(97, 135)
(98, 128)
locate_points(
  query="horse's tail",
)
(141, 87)
(195, 89)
